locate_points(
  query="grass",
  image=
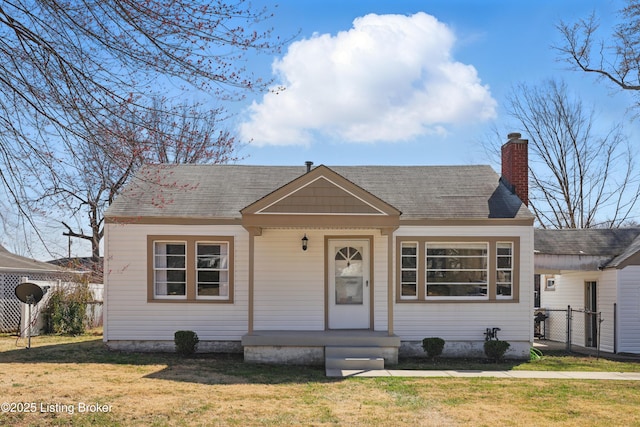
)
(221, 390)
(551, 361)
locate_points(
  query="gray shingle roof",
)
(631, 250)
(13, 262)
(616, 244)
(221, 191)
(609, 242)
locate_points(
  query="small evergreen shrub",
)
(186, 342)
(495, 349)
(66, 310)
(433, 346)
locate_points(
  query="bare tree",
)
(579, 177)
(618, 59)
(80, 185)
(69, 71)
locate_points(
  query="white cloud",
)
(389, 78)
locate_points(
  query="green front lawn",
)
(76, 381)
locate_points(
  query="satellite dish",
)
(29, 293)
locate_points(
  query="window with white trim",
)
(170, 272)
(504, 270)
(550, 283)
(212, 270)
(456, 270)
(409, 270)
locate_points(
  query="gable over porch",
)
(331, 214)
(319, 271)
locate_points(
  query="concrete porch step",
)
(361, 358)
(353, 351)
(354, 363)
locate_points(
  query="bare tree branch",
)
(75, 77)
(617, 60)
(578, 178)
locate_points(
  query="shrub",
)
(186, 342)
(66, 310)
(433, 346)
(495, 349)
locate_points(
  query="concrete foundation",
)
(475, 349)
(144, 346)
(303, 349)
(288, 355)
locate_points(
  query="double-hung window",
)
(190, 268)
(504, 272)
(457, 270)
(212, 270)
(409, 270)
(170, 272)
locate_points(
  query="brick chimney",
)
(515, 166)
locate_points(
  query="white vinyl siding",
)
(618, 287)
(467, 320)
(568, 289)
(289, 287)
(607, 296)
(289, 283)
(129, 316)
(629, 310)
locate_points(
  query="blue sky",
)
(405, 82)
(417, 82)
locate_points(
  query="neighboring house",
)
(84, 264)
(595, 271)
(14, 269)
(287, 264)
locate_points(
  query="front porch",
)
(330, 347)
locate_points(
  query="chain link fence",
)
(571, 326)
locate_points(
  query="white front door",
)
(349, 292)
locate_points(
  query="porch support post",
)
(390, 276)
(253, 231)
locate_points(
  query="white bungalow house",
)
(594, 271)
(308, 265)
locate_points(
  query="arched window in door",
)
(349, 275)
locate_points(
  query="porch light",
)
(305, 241)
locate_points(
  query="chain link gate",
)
(578, 327)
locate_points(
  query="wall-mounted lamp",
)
(305, 242)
